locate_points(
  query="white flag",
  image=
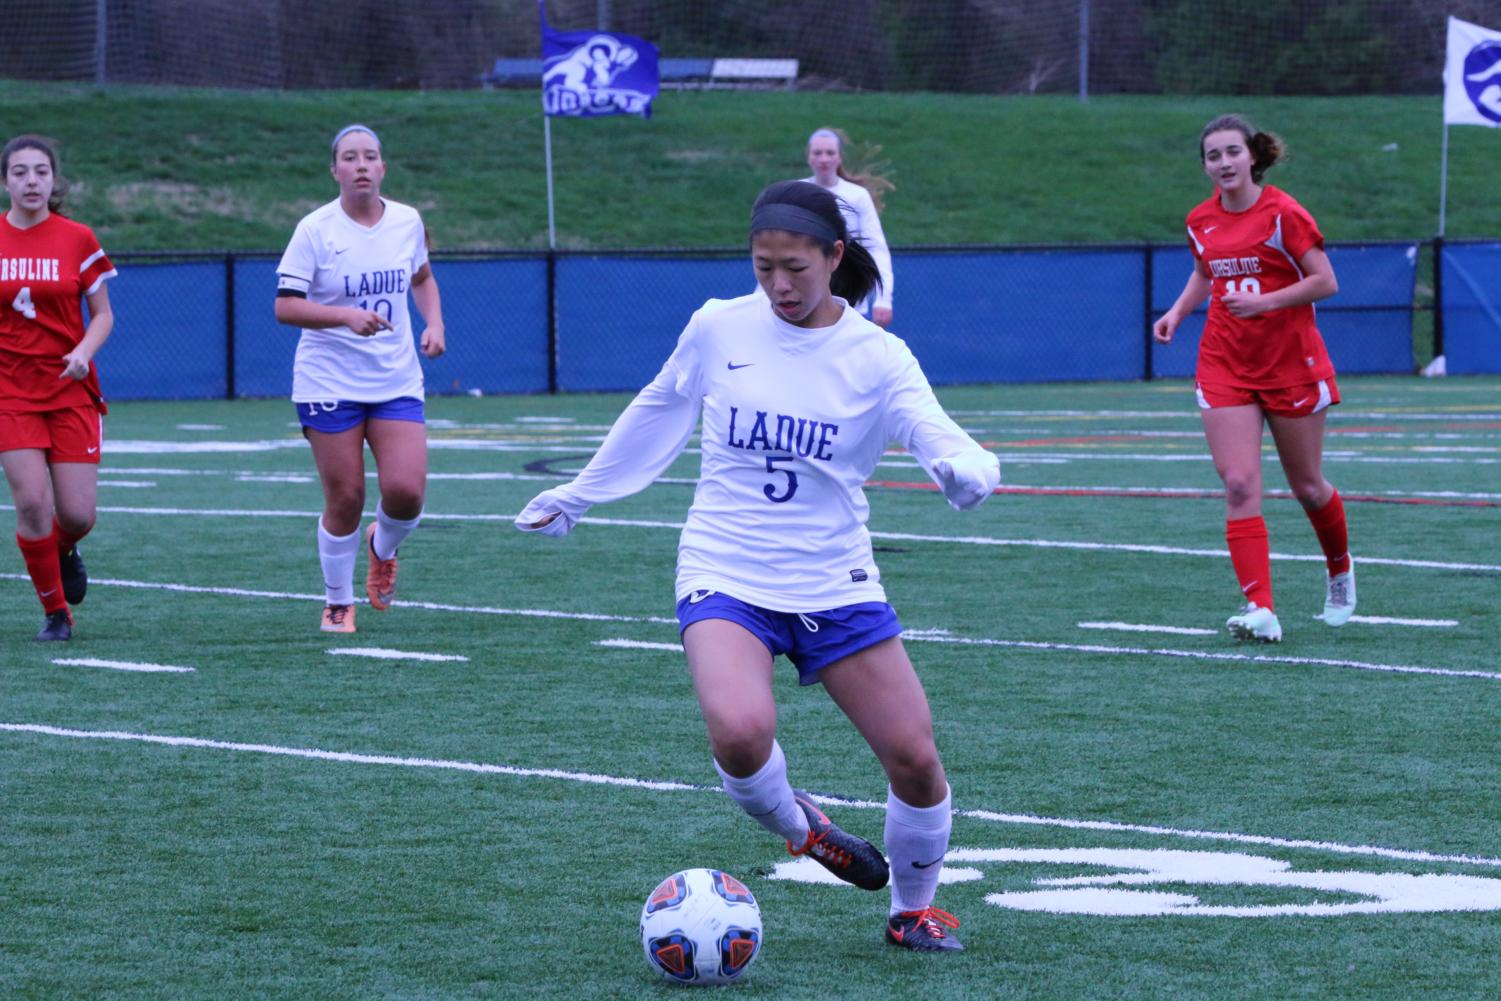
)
(1472, 75)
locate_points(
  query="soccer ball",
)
(701, 926)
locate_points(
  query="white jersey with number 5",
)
(335, 261)
(794, 421)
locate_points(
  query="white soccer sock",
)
(917, 838)
(767, 797)
(390, 533)
(338, 555)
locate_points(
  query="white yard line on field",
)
(381, 653)
(963, 540)
(431, 606)
(123, 665)
(925, 636)
(1133, 627)
(591, 778)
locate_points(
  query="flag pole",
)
(1443, 183)
(552, 235)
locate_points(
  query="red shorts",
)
(73, 434)
(1291, 401)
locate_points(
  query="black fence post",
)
(1438, 296)
(229, 326)
(552, 321)
(1146, 361)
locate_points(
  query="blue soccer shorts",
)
(811, 640)
(334, 416)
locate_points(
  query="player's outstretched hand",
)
(545, 514)
(968, 477)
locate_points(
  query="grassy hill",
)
(158, 168)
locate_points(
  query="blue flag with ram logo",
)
(587, 74)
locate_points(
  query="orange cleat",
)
(338, 619)
(380, 579)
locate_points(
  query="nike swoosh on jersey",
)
(733, 366)
(1211, 229)
(1299, 403)
(91, 451)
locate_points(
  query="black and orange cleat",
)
(851, 858)
(75, 577)
(923, 931)
(58, 627)
(380, 579)
(338, 619)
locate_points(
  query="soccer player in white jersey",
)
(859, 195)
(800, 396)
(344, 280)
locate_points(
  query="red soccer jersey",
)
(1257, 251)
(45, 273)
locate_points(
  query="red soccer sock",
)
(1251, 556)
(1334, 536)
(65, 540)
(46, 573)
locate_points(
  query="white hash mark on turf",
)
(381, 653)
(1382, 620)
(591, 778)
(122, 665)
(640, 645)
(1138, 628)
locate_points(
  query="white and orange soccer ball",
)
(701, 926)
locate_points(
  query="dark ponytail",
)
(1267, 149)
(820, 220)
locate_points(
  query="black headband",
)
(792, 219)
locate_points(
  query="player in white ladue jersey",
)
(858, 196)
(799, 396)
(344, 279)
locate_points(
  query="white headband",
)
(334, 146)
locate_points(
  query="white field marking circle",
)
(381, 653)
(1131, 627)
(1375, 851)
(1383, 892)
(123, 665)
(128, 484)
(200, 427)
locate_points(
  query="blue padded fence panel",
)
(263, 348)
(620, 317)
(494, 312)
(1367, 326)
(168, 339)
(1023, 316)
(1472, 308)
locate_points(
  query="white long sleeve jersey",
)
(335, 261)
(794, 422)
(864, 223)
